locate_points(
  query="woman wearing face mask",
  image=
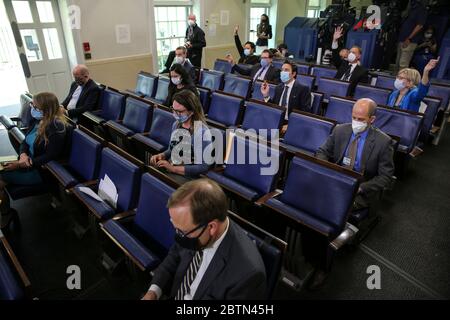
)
(189, 132)
(410, 89)
(246, 52)
(426, 50)
(44, 142)
(179, 80)
(264, 33)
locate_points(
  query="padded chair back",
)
(303, 69)
(257, 95)
(340, 110)
(386, 82)
(306, 132)
(433, 105)
(25, 110)
(161, 129)
(205, 98)
(332, 87)
(317, 103)
(320, 72)
(112, 105)
(306, 80)
(245, 165)
(138, 115)
(309, 183)
(278, 63)
(442, 92)
(212, 80)
(152, 217)
(379, 95)
(237, 85)
(10, 288)
(85, 155)
(225, 109)
(163, 89)
(124, 175)
(259, 116)
(402, 124)
(146, 84)
(223, 66)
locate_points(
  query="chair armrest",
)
(416, 152)
(267, 197)
(23, 276)
(345, 237)
(125, 215)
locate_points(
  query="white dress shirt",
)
(352, 66)
(261, 75)
(75, 97)
(208, 255)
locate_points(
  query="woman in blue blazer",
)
(410, 89)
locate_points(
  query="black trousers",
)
(195, 57)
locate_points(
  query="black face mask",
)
(192, 244)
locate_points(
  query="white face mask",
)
(399, 84)
(191, 23)
(179, 60)
(359, 127)
(351, 57)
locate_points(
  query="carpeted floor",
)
(411, 246)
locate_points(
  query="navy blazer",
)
(88, 101)
(300, 98)
(359, 75)
(236, 272)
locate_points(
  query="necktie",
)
(353, 151)
(258, 74)
(284, 98)
(191, 273)
(347, 74)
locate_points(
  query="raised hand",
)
(431, 64)
(236, 29)
(338, 33)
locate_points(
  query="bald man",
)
(363, 148)
(84, 93)
(195, 41)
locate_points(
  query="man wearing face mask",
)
(264, 70)
(213, 258)
(181, 58)
(195, 41)
(84, 94)
(348, 63)
(246, 52)
(363, 148)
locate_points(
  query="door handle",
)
(16, 33)
(25, 65)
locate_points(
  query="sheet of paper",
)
(224, 17)
(8, 159)
(123, 34)
(91, 193)
(108, 191)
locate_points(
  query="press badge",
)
(347, 161)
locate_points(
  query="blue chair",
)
(205, 98)
(386, 82)
(246, 175)
(146, 85)
(308, 183)
(14, 283)
(340, 110)
(332, 87)
(443, 92)
(147, 237)
(379, 95)
(271, 249)
(325, 72)
(162, 91)
(303, 69)
(211, 79)
(158, 139)
(257, 95)
(400, 123)
(261, 116)
(433, 105)
(137, 119)
(223, 66)
(84, 161)
(307, 80)
(225, 110)
(246, 67)
(236, 85)
(126, 177)
(306, 133)
(317, 103)
(278, 63)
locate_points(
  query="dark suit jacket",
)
(236, 272)
(359, 75)
(198, 42)
(377, 161)
(243, 58)
(88, 100)
(272, 74)
(190, 69)
(300, 98)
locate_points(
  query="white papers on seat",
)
(90, 193)
(108, 191)
(423, 107)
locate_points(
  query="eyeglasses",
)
(184, 235)
(177, 112)
(32, 105)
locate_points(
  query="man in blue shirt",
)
(363, 148)
(409, 34)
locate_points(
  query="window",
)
(171, 24)
(314, 8)
(258, 7)
(22, 11)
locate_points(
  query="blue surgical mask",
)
(181, 118)
(176, 80)
(264, 63)
(37, 114)
(285, 76)
(399, 84)
(247, 52)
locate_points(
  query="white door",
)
(38, 34)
